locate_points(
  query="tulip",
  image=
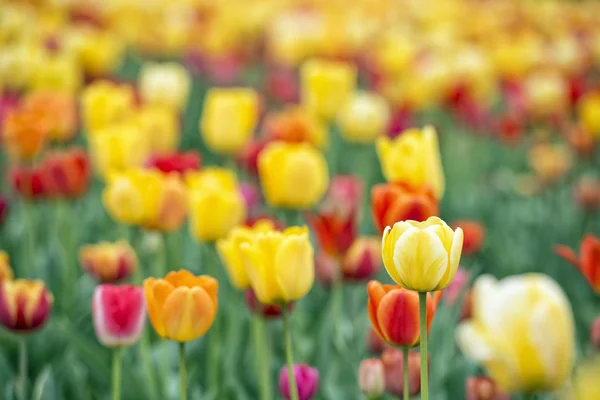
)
(594, 333)
(216, 204)
(363, 259)
(588, 111)
(4, 206)
(5, 271)
(108, 262)
(296, 125)
(265, 310)
(483, 388)
(580, 140)
(587, 193)
(393, 203)
(118, 148)
(394, 364)
(18, 62)
(546, 93)
(147, 198)
(292, 175)
(59, 113)
(24, 134)
(422, 256)
(413, 159)
(165, 84)
(29, 182)
(307, 379)
(280, 265)
(394, 313)
(229, 118)
(364, 117)
(549, 162)
(176, 162)
(533, 308)
(104, 103)
(159, 125)
(588, 262)
(100, 51)
(57, 72)
(371, 379)
(585, 384)
(67, 173)
(327, 268)
(474, 235)
(182, 307)
(119, 314)
(326, 86)
(457, 287)
(229, 249)
(252, 196)
(25, 305)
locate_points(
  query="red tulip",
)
(588, 262)
(362, 261)
(266, 310)
(3, 208)
(177, 162)
(474, 235)
(25, 305)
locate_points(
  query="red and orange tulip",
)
(394, 313)
(393, 202)
(588, 261)
(25, 305)
(108, 262)
(58, 110)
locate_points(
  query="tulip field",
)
(300, 200)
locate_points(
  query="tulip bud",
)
(108, 262)
(456, 287)
(119, 314)
(393, 368)
(327, 268)
(474, 235)
(595, 333)
(587, 193)
(375, 343)
(165, 84)
(363, 259)
(483, 388)
(371, 378)
(3, 208)
(266, 310)
(307, 380)
(5, 271)
(25, 305)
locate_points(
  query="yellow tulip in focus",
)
(117, 148)
(413, 159)
(229, 119)
(521, 332)
(147, 198)
(104, 103)
(280, 265)
(159, 125)
(58, 72)
(326, 86)
(292, 175)
(230, 251)
(166, 84)
(422, 256)
(364, 117)
(216, 204)
(588, 111)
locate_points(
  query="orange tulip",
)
(474, 235)
(182, 307)
(59, 112)
(394, 313)
(25, 305)
(5, 271)
(25, 134)
(588, 262)
(393, 202)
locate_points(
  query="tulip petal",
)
(294, 267)
(398, 316)
(388, 244)
(454, 259)
(156, 292)
(188, 314)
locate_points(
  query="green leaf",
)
(44, 387)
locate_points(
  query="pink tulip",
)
(119, 314)
(307, 380)
(458, 285)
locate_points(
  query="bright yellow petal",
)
(294, 265)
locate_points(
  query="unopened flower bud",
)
(371, 378)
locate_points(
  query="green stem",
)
(182, 373)
(28, 243)
(337, 311)
(423, 339)
(148, 362)
(262, 356)
(22, 368)
(210, 267)
(116, 374)
(160, 264)
(288, 354)
(405, 372)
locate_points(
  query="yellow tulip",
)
(588, 111)
(216, 204)
(117, 148)
(18, 63)
(292, 175)
(280, 265)
(104, 103)
(364, 117)
(159, 125)
(422, 256)
(413, 158)
(166, 84)
(546, 93)
(521, 332)
(230, 251)
(326, 85)
(99, 51)
(59, 72)
(147, 198)
(229, 119)
(585, 384)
